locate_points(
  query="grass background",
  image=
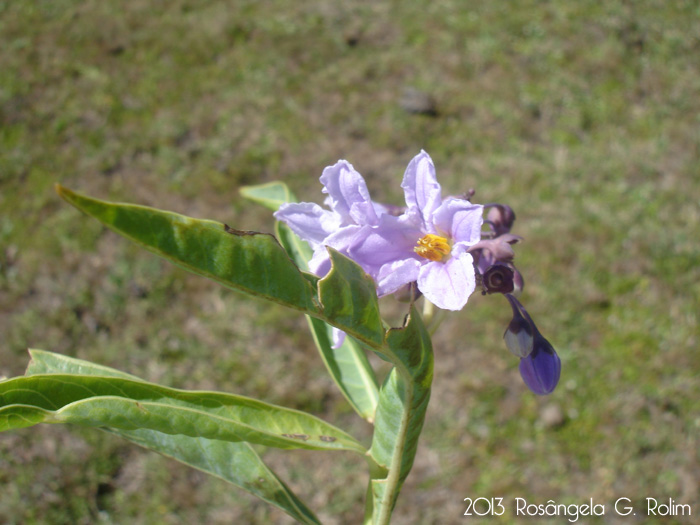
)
(583, 116)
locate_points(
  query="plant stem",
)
(428, 311)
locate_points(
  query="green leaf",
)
(403, 401)
(349, 297)
(126, 404)
(236, 463)
(250, 262)
(347, 365)
(271, 195)
(43, 362)
(349, 368)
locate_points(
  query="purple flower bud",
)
(498, 278)
(489, 251)
(492, 250)
(500, 217)
(542, 368)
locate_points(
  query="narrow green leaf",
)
(125, 404)
(271, 195)
(249, 262)
(349, 368)
(43, 362)
(347, 365)
(236, 463)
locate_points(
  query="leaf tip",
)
(31, 360)
(63, 192)
(246, 191)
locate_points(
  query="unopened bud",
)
(498, 278)
(542, 368)
(501, 218)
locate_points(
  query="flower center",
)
(432, 247)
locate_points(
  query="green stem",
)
(428, 311)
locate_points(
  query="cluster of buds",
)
(540, 366)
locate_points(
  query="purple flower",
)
(427, 243)
(350, 209)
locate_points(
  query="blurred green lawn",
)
(583, 116)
